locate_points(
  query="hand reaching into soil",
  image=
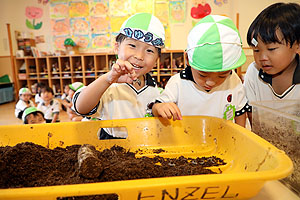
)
(167, 111)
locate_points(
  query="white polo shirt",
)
(49, 110)
(224, 101)
(122, 101)
(258, 85)
(20, 107)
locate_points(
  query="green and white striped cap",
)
(24, 91)
(30, 110)
(76, 86)
(146, 28)
(215, 45)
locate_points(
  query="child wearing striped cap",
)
(208, 85)
(127, 88)
(24, 102)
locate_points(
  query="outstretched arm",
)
(121, 72)
(167, 111)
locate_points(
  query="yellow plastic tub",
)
(250, 159)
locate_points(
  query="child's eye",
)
(132, 45)
(255, 50)
(222, 76)
(271, 49)
(150, 51)
(202, 75)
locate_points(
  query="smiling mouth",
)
(136, 67)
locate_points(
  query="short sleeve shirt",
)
(224, 101)
(122, 101)
(49, 110)
(258, 86)
(21, 105)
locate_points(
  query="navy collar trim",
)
(268, 78)
(149, 81)
(51, 103)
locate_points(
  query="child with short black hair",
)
(32, 115)
(208, 85)
(50, 106)
(127, 88)
(24, 102)
(274, 36)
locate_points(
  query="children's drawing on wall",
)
(116, 23)
(33, 13)
(100, 8)
(101, 41)
(161, 11)
(142, 6)
(79, 9)
(220, 2)
(119, 8)
(79, 26)
(200, 9)
(59, 42)
(83, 42)
(44, 2)
(60, 27)
(100, 24)
(177, 11)
(59, 10)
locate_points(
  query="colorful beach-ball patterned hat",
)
(215, 45)
(76, 86)
(146, 28)
(24, 91)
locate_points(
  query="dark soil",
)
(31, 165)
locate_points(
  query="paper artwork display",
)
(59, 10)
(177, 11)
(119, 8)
(59, 42)
(220, 2)
(60, 27)
(83, 41)
(79, 9)
(33, 13)
(101, 41)
(99, 24)
(80, 26)
(100, 8)
(142, 6)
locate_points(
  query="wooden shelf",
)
(62, 70)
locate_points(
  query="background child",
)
(125, 91)
(64, 97)
(50, 106)
(32, 115)
(24, 102)
(37, 97)
(68, 101)
(274, 36)
(209, 86)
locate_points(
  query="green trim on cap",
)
(30, 110)
(139, 21)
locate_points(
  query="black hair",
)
(284, 17)
(34, 114)
(47, 89)
(121, 37)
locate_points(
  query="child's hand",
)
(121, 72)
(167, 111)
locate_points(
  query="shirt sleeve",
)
(170, 93)
(249, 81)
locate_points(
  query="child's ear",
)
(186, 58)
(116, 47)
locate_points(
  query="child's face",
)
(142, 56)
(66, 89)
(35, 119)
(209, 80)
(46, 96)
(273, 58)
(25, 97)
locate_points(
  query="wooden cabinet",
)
(57, 71)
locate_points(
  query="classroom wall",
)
(13, 12)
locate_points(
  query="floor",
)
(7, 115)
